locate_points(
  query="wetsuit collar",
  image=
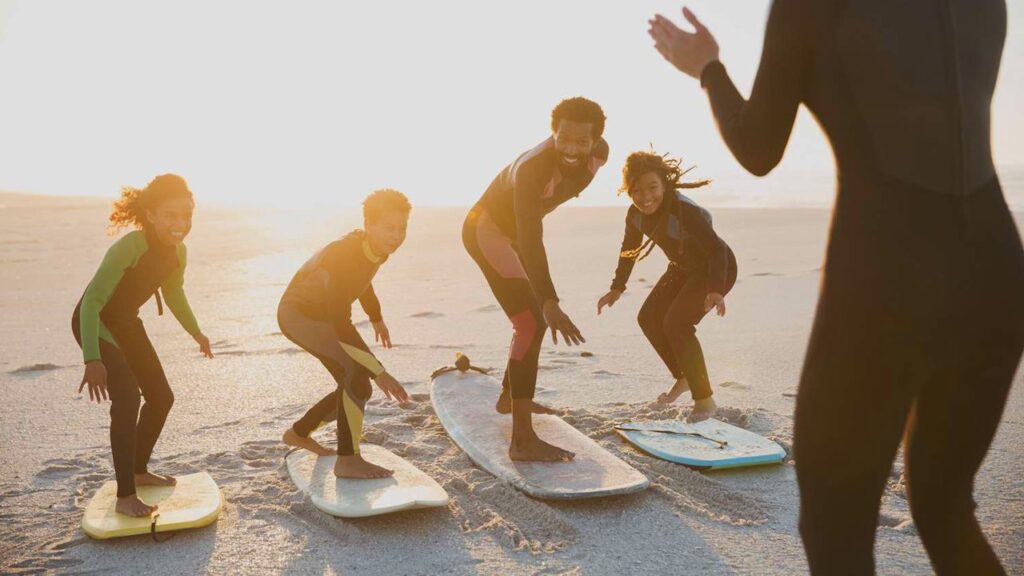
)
(368, 252)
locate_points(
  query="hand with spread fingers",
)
(690, 52)
(392, 388)
(96, 377)
(559, 321)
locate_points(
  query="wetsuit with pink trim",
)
(699, 263)
(316, 313)
(504, 234)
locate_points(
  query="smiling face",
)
(574, 142)
(647, 192)
(171, 221)
(387, 232)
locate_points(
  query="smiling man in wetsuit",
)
(504, 234)
(920, 323)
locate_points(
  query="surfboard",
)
(464, 403)
(193, 502)
(710, 444)
(409, 488)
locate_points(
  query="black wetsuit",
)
(922, 300)
(316, 313)
(699, 263)
(504, 234)
(107, 326)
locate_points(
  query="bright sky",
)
(315, 102)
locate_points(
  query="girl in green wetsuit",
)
(120, 363)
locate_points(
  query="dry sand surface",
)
(230, 412)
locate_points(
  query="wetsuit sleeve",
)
(174, 295)
(122, 255)
(339, 308)
(631, 240)
(756, 130)
(371, 305)
(526, 194)
(718, 256)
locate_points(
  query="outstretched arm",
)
(756, 130)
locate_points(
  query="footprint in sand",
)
(428, 314)
(736, 385)
(761, 274)
(488, 308)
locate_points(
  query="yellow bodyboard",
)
(193, 502)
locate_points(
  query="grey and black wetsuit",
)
(699, 263)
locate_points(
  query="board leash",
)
(721, 443)
(152, 531)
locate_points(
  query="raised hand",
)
(690, 52)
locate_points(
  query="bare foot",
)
(150, 479)
(292, 438)
(538, 450)
(702, 410)
(504, 406)
(681, 385)
(355, 467)
(132, 506)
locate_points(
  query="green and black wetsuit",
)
(316, 313)
(699, 263)
(107, 326)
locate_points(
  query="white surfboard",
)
(464, 403)
(409, 488)
(193, 502)
(710, 444)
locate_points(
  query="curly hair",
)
(668, 168)
(579, 109)
(130, 209)
(384, 200)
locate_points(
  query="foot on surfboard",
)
(132, 506)
(355, 467)
(702, 410)
(292, 438)
(504, 406)
(537, 450)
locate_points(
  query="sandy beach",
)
(230, 411)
